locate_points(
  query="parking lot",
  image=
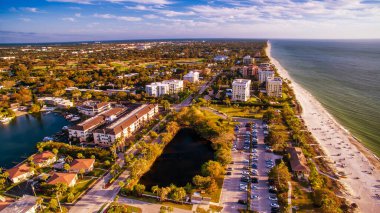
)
(247, 179)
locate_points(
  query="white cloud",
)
(25, 19)
(121, 18)
(69, 19)
(151, 2)
(78, 15)
(151, 16)
(30, 9)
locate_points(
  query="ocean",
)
(344, 76)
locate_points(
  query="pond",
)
(180, 161)
(18, 138)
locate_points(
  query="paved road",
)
(147, 207)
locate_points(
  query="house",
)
(78, 164)
(92, 108)
(44, 158)
(298, 162)
(26, 204)
(67, 178)
(20, 173)
(125, 125)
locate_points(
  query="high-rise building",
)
(274, 87)
(241, 89)
(157, 89)
(247, 60)
(264, 74)
(175, 86)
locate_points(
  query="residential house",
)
(298, 162)
(69, 179)
(44, 159)
(78, 164)
(20, 173)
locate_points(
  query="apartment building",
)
(247, 60)
(175, 86)
(82, 132)
(157, 89)
(125, 126)
(192, 76)
(264, 74)
(92, 108)
(274, 87)
(241, 89)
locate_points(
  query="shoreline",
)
(349, 155)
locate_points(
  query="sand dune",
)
(349, 157)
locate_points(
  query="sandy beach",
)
(349, 156)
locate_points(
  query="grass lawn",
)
(80, 187)
(123, 208)
(165, 203)
(247, 112)
(302, 199)
(216, 208)
(97, 172)
(215, 196)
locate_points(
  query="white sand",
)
(362, 175)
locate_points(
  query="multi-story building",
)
(241, 89)
(192, 76)
(264, 74)
(157, 89)
(175, 86)
(274, 87)
(248, 71)
(92, 108)
(125, 126)
(58, 102)
(82, 132)
(247, 60)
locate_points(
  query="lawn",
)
(247, 112)
(123, 208)
(80, 187)
(301, 198)
(97, 172)
(215, 196)
(165, 203)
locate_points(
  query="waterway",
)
(180, 161)
(18, 139)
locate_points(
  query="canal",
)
(180, 161)
(18, 139)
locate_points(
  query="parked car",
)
(228, 173)
(254, 180)
(273, 198)
(243, 202)
(254, 197)
(274, 205)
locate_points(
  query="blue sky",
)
(79, 20)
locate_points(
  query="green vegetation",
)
(123, 208)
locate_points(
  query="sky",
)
(24, 21)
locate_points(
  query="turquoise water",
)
(344, 75)
(18, 138)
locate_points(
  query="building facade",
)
(175, 86)
(264, 74)
(274, 87)
(241, 89)
(92, 108)
(157, 89)
(247, 60)
(125, 126)
(192, 76)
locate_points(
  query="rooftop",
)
(297, 160)
(43, 156)
(79, 164)
(59, 177)
(24, 204)
(18, 170)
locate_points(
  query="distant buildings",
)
(130, 75)
(241, 89)
(220, 58)
(264, 74)
(192, 76)
(26, 204)
(125, 126)
(58, 102)
(82, 132)
(274, 87)
(247, 60)
(92, 108)
(158, 89)
(249, 71)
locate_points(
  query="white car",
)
(273, 198)
(275, 205)
(254, 197)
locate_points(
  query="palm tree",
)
(155, 189)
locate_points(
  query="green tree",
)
(139, 189)
(66, 167)
(212, 168)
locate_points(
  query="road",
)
(148, 207)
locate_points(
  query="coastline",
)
(350, 157)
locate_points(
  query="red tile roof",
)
(59, 177)
(18, 170)
(79, 164)
(43, 156)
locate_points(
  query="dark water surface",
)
(18, 139)
(180, 161)
(344, 75)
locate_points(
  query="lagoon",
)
(180, 161)
(18, 139)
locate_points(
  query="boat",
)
(75, 118)
(65, 128)
(47, 138)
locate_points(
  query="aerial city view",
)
(159, 106)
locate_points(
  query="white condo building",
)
(264, 74)
(158, 89)
(241, 89)
(192, 76)
(274, 87)
(247, 60)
